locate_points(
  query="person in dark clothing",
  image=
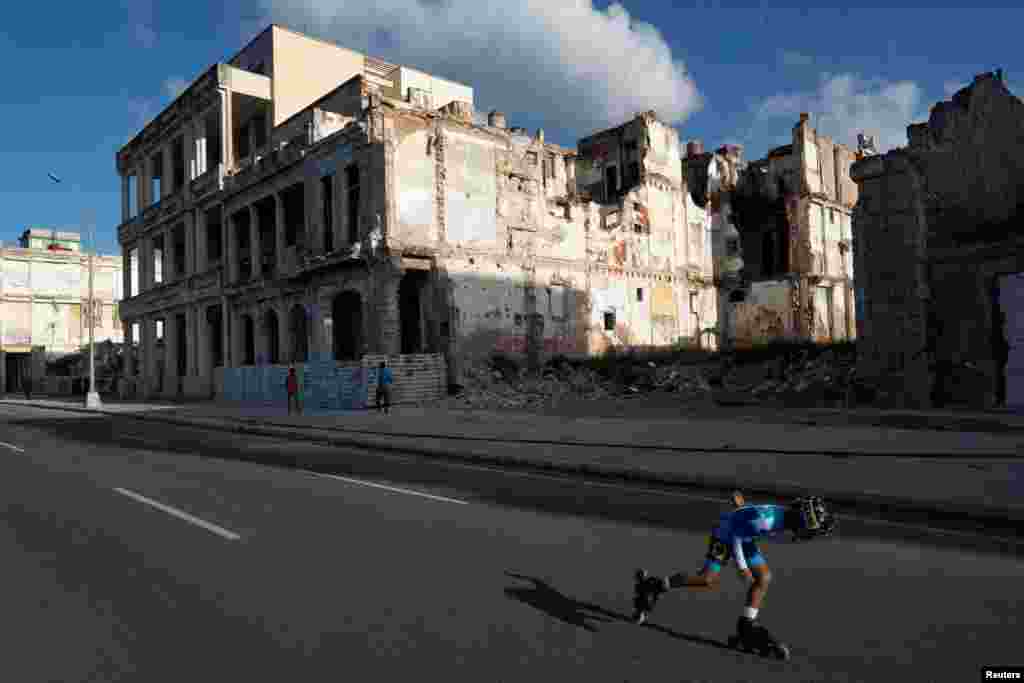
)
(26, 384)
(292, 385)
(384, 381)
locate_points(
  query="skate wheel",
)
(641, 575)
(782, 652)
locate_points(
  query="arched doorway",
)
(299, 334)
(248, 340)
(272, 328)
(347, 315)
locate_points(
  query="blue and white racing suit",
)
(736, 532)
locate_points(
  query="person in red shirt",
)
(293, 390)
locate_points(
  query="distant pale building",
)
(44, 297)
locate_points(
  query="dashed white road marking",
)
(389, 488)
(180, 514)
(12, 447)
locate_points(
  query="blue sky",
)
(81, 79)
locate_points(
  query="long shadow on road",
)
(544, 597)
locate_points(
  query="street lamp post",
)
(92, 397)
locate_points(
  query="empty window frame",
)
(294, 199)
(180, 267)
(632, 173)
(133, 271)
(158, 260)
(156, 166)
(214, 242)
(178, 164)
(327, 199)
(132, 190)
(611, 181)
(352, 202)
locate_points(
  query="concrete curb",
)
(883, 505)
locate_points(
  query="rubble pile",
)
(828, 375)
(500, 383)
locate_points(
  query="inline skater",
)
(734, 537)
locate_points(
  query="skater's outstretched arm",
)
(737, 552)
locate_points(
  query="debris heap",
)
(802, 376)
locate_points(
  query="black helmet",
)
(814, 518)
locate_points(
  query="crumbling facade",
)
(792, 211)
(384, 217)
(44, 302)
(938, 248)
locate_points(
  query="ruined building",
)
(938, 234)
(305, 198)
(44, 302)
(785, 222)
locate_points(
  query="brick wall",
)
(417, 377)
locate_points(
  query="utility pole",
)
(92, 397)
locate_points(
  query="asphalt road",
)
(130, 554)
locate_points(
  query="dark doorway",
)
(249, 341)
(272, 328)
(410, 307)
(181, 344)
(347, 315)
(215, 321)
(300, 339)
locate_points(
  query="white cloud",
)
(792, 58)
(845, 105)
(174, 86)
(575, 66)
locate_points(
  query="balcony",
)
(208, 183)
(263, 163)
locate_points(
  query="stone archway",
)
(299, 333)
(272, 330)
(347, 316)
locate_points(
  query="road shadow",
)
(544, 597)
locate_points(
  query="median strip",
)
(180, 514)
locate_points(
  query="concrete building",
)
(793, 214)
(372, 212)
(44, 302)
(938, 248)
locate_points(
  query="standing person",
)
(292, 385)
(734, 537)
(384, 381)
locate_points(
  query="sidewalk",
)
(974, 475)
